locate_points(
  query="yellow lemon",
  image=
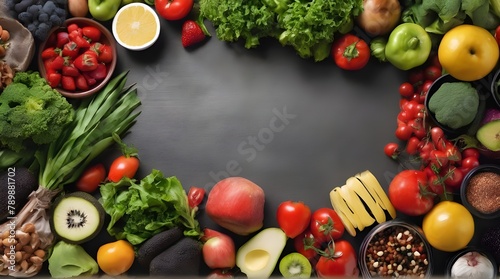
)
(136, 26)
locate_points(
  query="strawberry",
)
(191, 33)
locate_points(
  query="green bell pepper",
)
(408, 46)
(104, 10)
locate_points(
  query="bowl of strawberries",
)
(78, 58)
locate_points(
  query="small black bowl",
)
(466, 250)
(465, 183)
(495, 86)
(450, 132)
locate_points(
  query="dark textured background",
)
(202, 107)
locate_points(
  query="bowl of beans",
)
(480, 191)
(395, 248)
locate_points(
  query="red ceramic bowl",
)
(106, 38)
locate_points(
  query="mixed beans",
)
(397, 251)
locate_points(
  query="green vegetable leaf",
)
(70, 260)
(141, 209)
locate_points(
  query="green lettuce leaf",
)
(141, 209)
(71, 260)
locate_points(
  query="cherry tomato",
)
(404, 116)
(453, 177)
(438, 138)
(339, 261)
(432, 72)
(438, 159)
(406, 89)
(326, 225)
(293, 217)
(452, 152)
(412, 145)
(425, 89)
(417, 127)
(123, 166)
(195, 196)
(435, 184)
(91, 178)
(392, 150)
(416, 76)
(173, 9)
(403, 132)
(306, 244)
(470, 152)
(468, 163)
(407, 193)
(425, 151)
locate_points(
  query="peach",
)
(236, 204)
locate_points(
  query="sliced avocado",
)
(19, 181)
(157, 244)
(258, 257)
(77, 217)
(489, 135)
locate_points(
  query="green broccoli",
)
(32, 112)
(455, 104)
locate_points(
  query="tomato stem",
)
(127, 151)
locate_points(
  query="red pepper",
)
(173, 9)
(350, 52)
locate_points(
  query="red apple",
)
(237, 204)
(218, 250)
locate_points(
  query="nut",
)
(40, 253)
(36, 260)
(35, 241)
(24, 238)
(28, 228)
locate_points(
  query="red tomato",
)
(91, 178)
(293, 217)
(350, 52)
(470, 152)
(404, 132)
(406, 192)
(432, 72)
(195, 196)
(173, 9)
(452, 177)
(326, 225)
(391, 150)
(412, 145)
(406, 89)
(306, 244)
(469, 163)
(438, 138)
(438, 159)
(123, 166)
(341, 262)
(416, 76)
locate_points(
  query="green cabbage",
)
(71, 260)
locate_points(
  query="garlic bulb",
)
(472, 265)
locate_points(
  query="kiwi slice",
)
(295, 265)
(77, 217)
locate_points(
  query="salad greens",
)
(141, 209)
(71, 260)
(440, 16)
(308, 26)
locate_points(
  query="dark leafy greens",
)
(308, 26)
(141, 209)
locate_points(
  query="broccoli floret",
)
(32, 112)
(455, 104)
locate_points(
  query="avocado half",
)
(77, 217)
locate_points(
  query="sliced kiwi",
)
(295, 265)
(77, 217)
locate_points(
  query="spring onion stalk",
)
(112, 110)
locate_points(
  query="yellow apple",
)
(468, 52)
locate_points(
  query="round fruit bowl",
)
(380, 252)
(479, 191)
(78, 54)
(452, 132)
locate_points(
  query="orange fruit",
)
(136, 26)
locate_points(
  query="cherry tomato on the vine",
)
(326, 225)
(340, 260)
(293, 217)
(412, 145)
(91, 178)
(391, 150)
(431, 73)
(306, 244)
(406, 89)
